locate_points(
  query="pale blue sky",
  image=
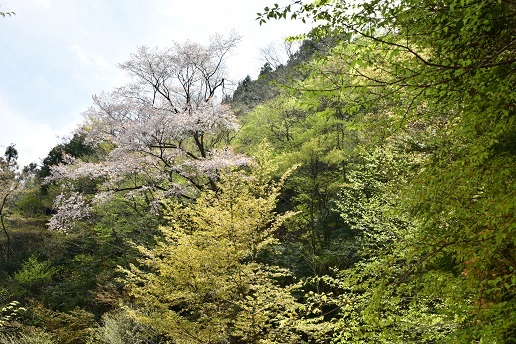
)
(55, 54)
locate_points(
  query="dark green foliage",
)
(33, 277)
(443, 74)
(401, 124)
(313, 134)
(75, 147)
(251, 93)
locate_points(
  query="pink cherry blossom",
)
(166, 130)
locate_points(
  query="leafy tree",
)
(446, 71)
(75, 147)
(72, 327)
(380, 301)
(208, 280)
(8, 315)
(250, 93)
(33, 276)
(275, 76)
(120, 327)
(33, 336)
(164, 133)
(311, 133)
(10, 179)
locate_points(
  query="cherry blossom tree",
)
(165, 133)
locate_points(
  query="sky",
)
(56, 54)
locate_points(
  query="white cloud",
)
(33, 139)
(88, 57)
(28, 5)
(42, 3)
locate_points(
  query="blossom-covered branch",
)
(165, 131)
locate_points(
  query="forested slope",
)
(363, 192)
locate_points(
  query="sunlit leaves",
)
(206, 280)
(436, 78)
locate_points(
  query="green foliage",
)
(121, 327)
(250, 93)
(74, 146)
(369, 197)
(9, 313)
(72, 327)
(396, 227)
(85, 260)
(437, 80)
(272, 79)
(386, 296)
(313, 134)
(206, 280)
(277, 121)
(33, 276)
(10, 180)
(31, 336)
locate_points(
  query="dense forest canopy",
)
(361, 192)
